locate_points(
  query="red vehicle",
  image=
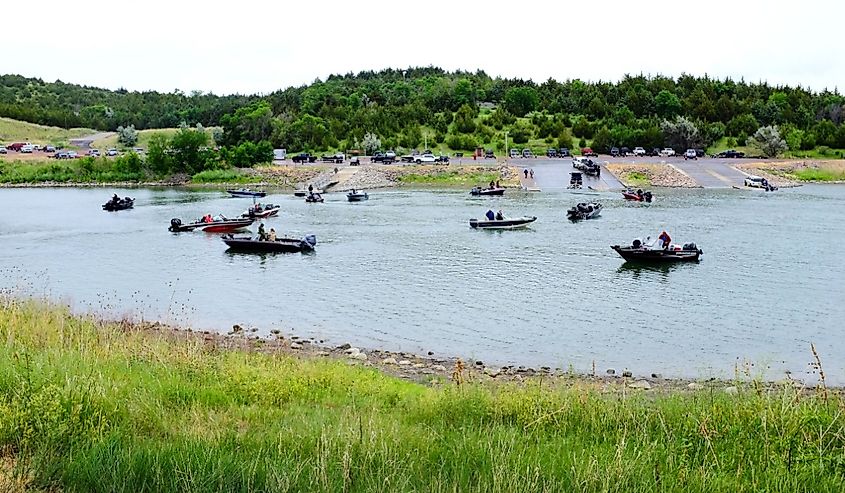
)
(588, 152)
(16, 146)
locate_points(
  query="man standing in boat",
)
(262, 235)
(665, 239)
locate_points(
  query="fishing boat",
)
(279, 245)
(478, 191)
(313, 198)
(246, 192)
(639, 251)
(638, 196)
(576, 180)
(215, 225)
(504, 223)
(262, 211)
(584, 210)
(119, 204)
(355, 196)
(302, 192)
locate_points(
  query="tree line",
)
(462, 110)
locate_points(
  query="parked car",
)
(383, 158)
(50, 149)
(624, 151)
(730, 153)
(392, 154)
(563, 152)
(527, 153)
(304, 157)
(27, 148)
(699, 152)
(690, 154)
(72, 155)
(639, 151)
(655, 151)
(3, 150)
(514, 153)
(589, 152)
(335, 158)
(667, 151)
(425, 159)
(94, 152)
(488, 154)
(61, 155)
(551, 153)
(614, 151)
(111, 152)
(15, 146)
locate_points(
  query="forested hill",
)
(403, 107)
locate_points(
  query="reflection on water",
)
(404, 271)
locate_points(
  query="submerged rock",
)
(344, 347)
(611, 371)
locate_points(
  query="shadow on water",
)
(637, 269)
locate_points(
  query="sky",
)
(247, 46)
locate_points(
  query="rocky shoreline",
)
(658, 175)
(433, 370)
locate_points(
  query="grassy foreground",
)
(88, 406)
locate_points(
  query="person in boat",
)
(115, 199)
(665, 240)
(272, 235)
(490, 215)
(497, 184)
(310, 188)
(492, 184)
(262, 235)
(640, 193)
(500, 216)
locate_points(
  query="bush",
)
(461, 142)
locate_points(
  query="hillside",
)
(19, 131)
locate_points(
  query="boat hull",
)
(280, 245)
(578, 214)
(487, 192)
(263, 214)
(357, 197)
(246, 193)
(226, 226)
(511, 223)
(646, 255)
(120, 206)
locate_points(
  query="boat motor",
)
(175, 222)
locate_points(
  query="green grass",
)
(82, 170)
(636, 179)
(817, 174)
(449, 178)
(222, 176)
(86, 406)
(18, 131)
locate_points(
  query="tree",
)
(681, 133)
(464, 120)
(188, 149)
(521, 100)
(603, 141)
(667, 104)
(768, 141)
(127, 136)
(370, 143)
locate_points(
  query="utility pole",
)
(506, 145)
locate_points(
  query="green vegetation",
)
(144, 138)
(817, 174)
(126, 168)
(19, 131)
(449, 178)
(87, 406)
(636, 179)
(222, 176)
(456, 111)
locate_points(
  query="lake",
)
(404, 272)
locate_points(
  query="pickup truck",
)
(383, 158)
(730, 153)
(336, 158)
(304, 157)
(589, 152)
(667, 151)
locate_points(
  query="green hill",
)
(18, 131)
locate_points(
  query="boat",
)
(575, 180)
(245, 192)
(314, 197)
(119, 204)
(302, 192)
(478, 191)
(355, 196)
(262, 211)
(505, 223)
(638, 196)
(279, 245)
(584, 210)
(217, 225)
(639, 251)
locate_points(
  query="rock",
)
(611, 371)
(295, 345)
(344, 347)
(627, 374)
(236, 328)
(640, 384)
(695, 386)
(388, 361)
(294, 337)
(254, 329)
(731, 390)
(657, 376)
(430, 353)
(426, 371)
(275, 331)
(321, 353)
(440, 368)
(359, 356)
(404, 362)
(479, 363)
(493, 372)
(417, 365)
(352, 350)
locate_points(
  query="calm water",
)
(405, 272)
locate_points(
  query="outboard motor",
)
(310, 240)
(690, 247)
(637, 243)
(175, 223)
(647, 197)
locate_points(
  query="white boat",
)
(506, 223)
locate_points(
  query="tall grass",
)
(87, 406)
(818, 174)
(222, 176)
(449, 178)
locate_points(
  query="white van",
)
(28, 148)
